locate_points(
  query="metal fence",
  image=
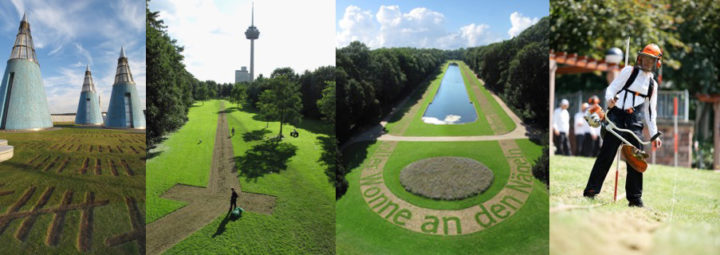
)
(664, 102)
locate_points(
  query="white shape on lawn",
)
(449, 119)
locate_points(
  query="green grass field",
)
(680, 215)
(303, 218)
(421, 98)
(182, 158)
(48, 165)
(361, 231)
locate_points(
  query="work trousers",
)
(634, 180)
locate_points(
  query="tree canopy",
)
(686, 31)
(169, 85)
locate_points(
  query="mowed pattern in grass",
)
(185, 157)
(361, 231)
(412, 111)
(680, 217)
(48, 165)
(303, 219)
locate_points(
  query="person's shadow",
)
(221, 227)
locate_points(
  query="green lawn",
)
(468, 76)
(303, 220)
(361, 231)
(408, 152)
(680, 217)
(182, 158)
(421, 98)
(56, 159)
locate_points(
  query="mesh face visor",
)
(647, 63)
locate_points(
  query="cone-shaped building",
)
(124, 110)
(23, 103)
(88, 112)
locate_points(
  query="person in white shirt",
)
(561, 127)
(580, 129)
(593, 139)
(631, 100)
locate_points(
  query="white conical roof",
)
(123, 69)
(88, 84)
(24, 48)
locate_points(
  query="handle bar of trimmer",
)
(610, 127)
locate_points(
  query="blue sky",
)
(71, 34)
(435, 24)
(296, 34)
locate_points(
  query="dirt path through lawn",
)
(205, 204)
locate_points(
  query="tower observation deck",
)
(252, 33)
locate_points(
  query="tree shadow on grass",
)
(229, 110)
(350, 158)
(328, 157)
(255, 135)
(269, 156)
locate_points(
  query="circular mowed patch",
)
(446, 178)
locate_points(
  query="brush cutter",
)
(634, 156)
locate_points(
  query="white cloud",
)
(520, 23)
(298, 34)
(356, 25)
(130, 14)
(83, 52)
(420, 27)
(475, 34)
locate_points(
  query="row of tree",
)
(517, 70)
(169, 85)
(370, 82)
(285, 96)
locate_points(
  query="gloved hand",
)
(657, 143)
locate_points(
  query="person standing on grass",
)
(233, 131)
(561, 127)
(631, 99)
(233, 199)
(593, 139)
(581, 129)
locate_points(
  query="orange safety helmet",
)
(652, 50)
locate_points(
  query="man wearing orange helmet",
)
(630, 100)
(593, 137)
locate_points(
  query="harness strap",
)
(629, 82)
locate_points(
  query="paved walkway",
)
(205, 204)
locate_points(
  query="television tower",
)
(252, 33)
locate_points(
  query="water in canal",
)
(451, 104)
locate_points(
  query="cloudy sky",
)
(298, 34)
(434, 24)
(71, 34)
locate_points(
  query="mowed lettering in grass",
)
(502, 206)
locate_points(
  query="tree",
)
(238, 94)
(516, 69)
(282, 101)
(169, 85)
(326, 104)
(284, 71)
